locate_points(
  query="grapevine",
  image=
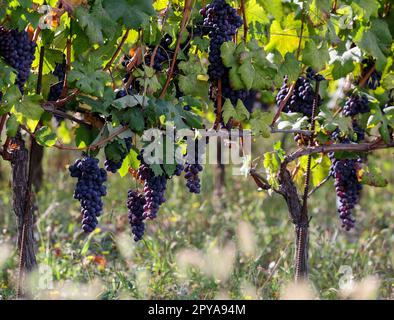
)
(122, 77)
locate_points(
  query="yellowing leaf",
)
(284, 40)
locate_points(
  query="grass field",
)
(200, 247)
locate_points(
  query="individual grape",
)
(374, 78)
(347, 187)
(114, 166)
(355, 104)
(187, 108)
(135, 205)
(18, 51)
(89, 189)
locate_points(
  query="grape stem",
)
(118, 49)
(218, 106)
(319, 185)
(283, 104)
(185, 21)
(364, 80)
(360, 147)
(303, 132)
(243, 10)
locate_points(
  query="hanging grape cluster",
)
(301, 99)
(355, 104)
(112, 165)
(193, 166)
(154, 189)
(222, 21)
(18, 51)
(347, 187)
(89, 189)
(135, 205)
(163, 53)
(55, 91)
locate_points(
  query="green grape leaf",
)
(377, 117)
(314, 56)
(89, 76)
(260, 123)
(12, 126)
(247, 73)
(133, 13)
(235, 79)
(228, 54)
(113, 151)
(320, 169)
(11, 97)
(45, 136)
(372, 176)
(29, 108)
(97, 22)
(365, 8)
(242, 112)
(375, 40)
(171, 113)
(84, 136)
(290, 67)
(130, 161)
(272, 164)
(130, 101)
(228, 111)
(193, 81)
(273, 7)
(285, 40)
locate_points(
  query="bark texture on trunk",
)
(301, 223)
(37, 172)
(22, 205)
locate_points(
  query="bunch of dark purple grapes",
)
(18, 51)
(347, 187)
(163, 53)
(193, 166)
(358, 134)
(311, 74)
(89, 189)
(374, 78)
(135, 205)
(356, 104)
(154, 189)
(55, 91)
(223, 21)
(301, 99)
(114, 166)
